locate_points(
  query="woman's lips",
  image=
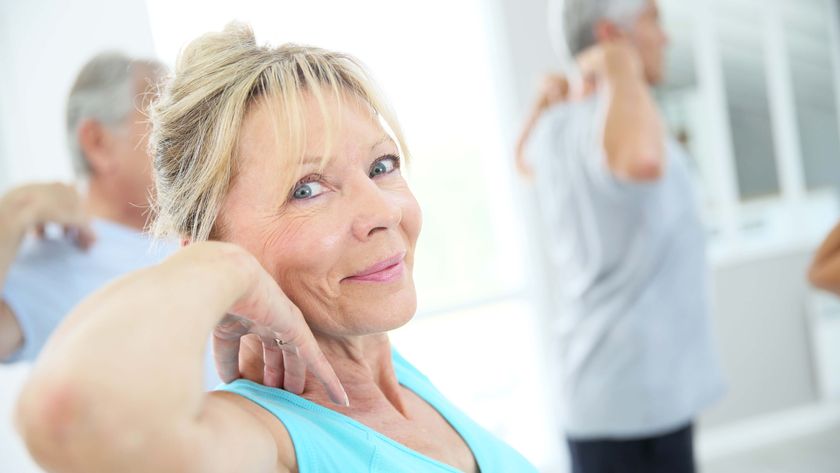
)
(386, 270)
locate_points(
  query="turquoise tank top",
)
(327, 441)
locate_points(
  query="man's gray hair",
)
(104, 91)
(572, 22)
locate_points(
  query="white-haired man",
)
(57, 245)
(635, 352)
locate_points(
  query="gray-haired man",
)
(43, 278)
(636, 362)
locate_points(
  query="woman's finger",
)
(273, 367)
(267, 306)
(321, 368)
(294, 379)
(226, 355)
(251, 358)
(226, 343)
(305, 354)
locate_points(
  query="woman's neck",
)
(364, 366)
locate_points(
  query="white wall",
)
(43, 44)
(763, 336)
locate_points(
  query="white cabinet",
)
(824, 321)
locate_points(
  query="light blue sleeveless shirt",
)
(327, 441)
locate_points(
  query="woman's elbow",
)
(67, 428)
(47, 419)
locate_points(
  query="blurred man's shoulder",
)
(569, 115)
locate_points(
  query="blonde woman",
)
(288, 158)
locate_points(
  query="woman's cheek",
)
(412, 220)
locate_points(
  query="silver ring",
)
(280, 343)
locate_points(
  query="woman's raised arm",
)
(119, 387)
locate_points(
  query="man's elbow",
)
(640, 168)
(646, 169)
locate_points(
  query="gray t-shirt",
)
(634, 350)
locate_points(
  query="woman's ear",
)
(95, 145)
(185, 242)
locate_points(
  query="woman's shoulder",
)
(312, 436)
(272, 404)
(229, 403)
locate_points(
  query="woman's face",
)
(340, 242)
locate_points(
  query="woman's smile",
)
(385, 271)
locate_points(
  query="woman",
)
(287, 158)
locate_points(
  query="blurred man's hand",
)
(31, 207)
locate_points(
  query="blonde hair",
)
(197, 120)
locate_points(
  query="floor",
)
(815, 453)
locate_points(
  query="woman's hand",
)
(263, 315)
(243, 349)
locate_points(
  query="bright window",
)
(751, 91)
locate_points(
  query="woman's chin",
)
(398, 322)
(386, 314)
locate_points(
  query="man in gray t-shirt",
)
(635, 360)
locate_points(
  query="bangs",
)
(198, 119)
(287, 89)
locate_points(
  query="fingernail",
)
(341, 400)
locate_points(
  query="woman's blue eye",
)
(307, 190)
(384, 166)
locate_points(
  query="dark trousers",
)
(668, 453)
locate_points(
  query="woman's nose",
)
(374, 209)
